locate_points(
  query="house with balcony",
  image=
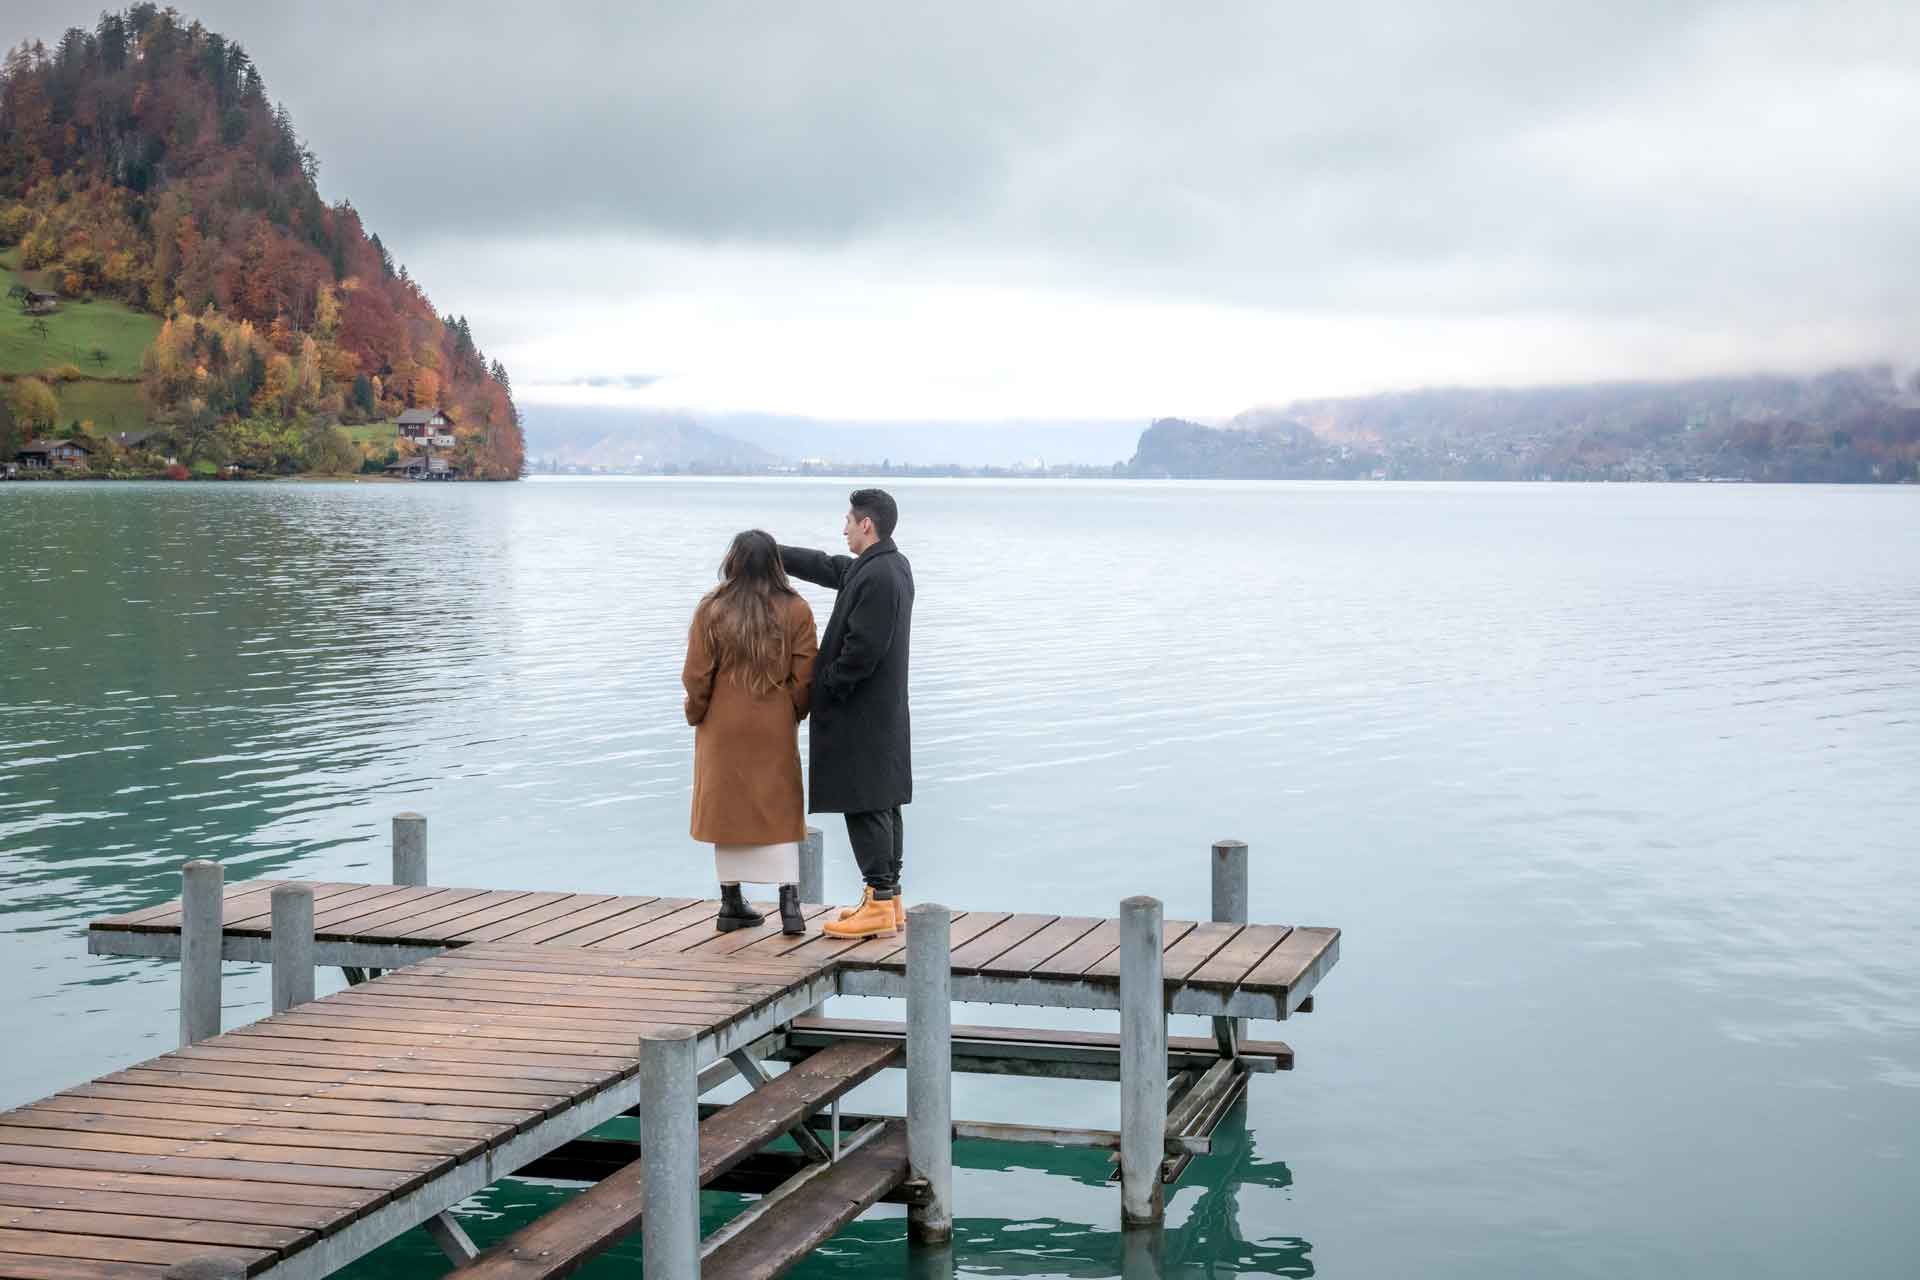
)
(427, 427)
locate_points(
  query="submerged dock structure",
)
(486, 1033)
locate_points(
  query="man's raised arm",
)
(816, 567)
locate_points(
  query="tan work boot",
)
(899, 908)
(873, 918)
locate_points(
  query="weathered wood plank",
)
(320, 1197)
(589, 1223)
(60, 1120)
(813, 1213)
(1200, 945)
(1108, 966)
(1236, 960)
(210, 1117)
(370, 1180)
(979, 952)
(132, 1225)
(1285, 965)
(159, 1252)
(561, 906)
(1018, 961)
(1070, 960)
(336, 1158)
(221, 1091)
(21, 1266)
(297, 1220)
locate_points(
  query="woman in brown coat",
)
(749, 676)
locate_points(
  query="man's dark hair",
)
(878, 506)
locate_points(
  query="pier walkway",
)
(486, 1033)
(1211, 968)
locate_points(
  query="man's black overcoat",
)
(861, 742)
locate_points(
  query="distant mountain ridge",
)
(1857, 425)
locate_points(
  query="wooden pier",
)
(487, 1032)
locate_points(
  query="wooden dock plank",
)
(577, 1068)
(558, 906)
(221, 1091)
(1018, 961)
(1236, 960)
(133, 1226)
(693, 913)
(298, 1197)
(109, 1249)
(212, 1116)
(170, 909)
(22, 1266)
(181, 1128)
(1287, 963)
(586, 917)
(1201, 944)
(259, 914)
(198, 1166)
(476, 912)
(392, 919)
(591, 1222)
(978, 953)
(451, 1085)
(437, 923)
(335, 1158)
(1071, 960)
(293, 1221)
(1108, 966)
(814, 1212)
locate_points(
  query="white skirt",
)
(757, 863)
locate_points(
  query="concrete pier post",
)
(409, 848)
(292, 945)
(1230, 907)
(1143, 1061)
(813, 866)
(670, 1136)
(202, 907)
(930, 1069)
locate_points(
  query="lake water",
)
(1614, 790)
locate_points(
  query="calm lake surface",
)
(1614, 790)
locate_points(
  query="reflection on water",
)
(1611, 787)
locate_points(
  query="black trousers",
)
(878, 838)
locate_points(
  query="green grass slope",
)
(107, 394)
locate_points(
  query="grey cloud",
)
(1400, 156)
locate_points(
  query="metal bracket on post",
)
(452, 1238)
(750, 1072)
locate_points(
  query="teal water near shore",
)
(1612, 788)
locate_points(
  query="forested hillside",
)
(143, 164)
(1846, 426)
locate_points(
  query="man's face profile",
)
(859, 532)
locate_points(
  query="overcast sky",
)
(975, 210)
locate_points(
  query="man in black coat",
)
(861, 743)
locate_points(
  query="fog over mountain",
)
(621, 438)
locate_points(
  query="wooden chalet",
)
(427, 426)
(53, 455)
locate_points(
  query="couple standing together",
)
(754, 672)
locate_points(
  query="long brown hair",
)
(742, 619)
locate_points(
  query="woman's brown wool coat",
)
(746, 747)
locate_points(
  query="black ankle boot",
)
(734, 911)
(791, 920)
